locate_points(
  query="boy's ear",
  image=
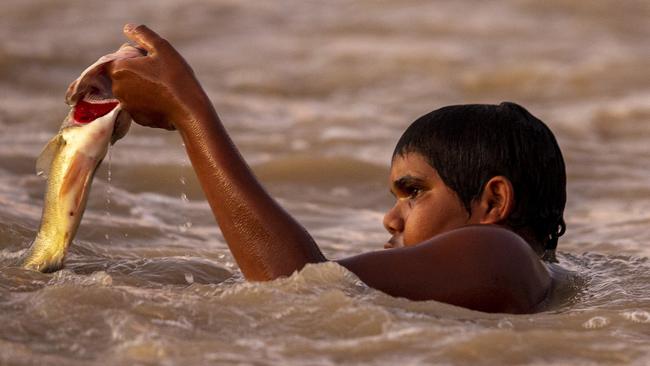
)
(496, 201)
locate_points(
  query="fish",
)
(70, 159)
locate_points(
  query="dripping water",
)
(108, 194)
(186, 222)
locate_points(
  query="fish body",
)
(71, 158)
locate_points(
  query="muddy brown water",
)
(316, 95)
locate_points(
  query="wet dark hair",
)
(470, 144)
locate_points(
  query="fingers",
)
(116, 68)
(145, 38)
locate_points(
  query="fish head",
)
(93, 109)
(91, 96)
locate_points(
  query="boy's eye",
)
(408, 187)
(413, 192)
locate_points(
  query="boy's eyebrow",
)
(404, 182)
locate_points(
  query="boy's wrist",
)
(194, 113)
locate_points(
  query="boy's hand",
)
(159, 89)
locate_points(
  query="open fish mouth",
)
(87, 110)
(92, 107)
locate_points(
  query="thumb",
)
(145, 38)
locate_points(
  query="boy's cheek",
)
(415, 232)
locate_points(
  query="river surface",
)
(316, 94)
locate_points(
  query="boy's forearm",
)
(264, 239)
(160, 90)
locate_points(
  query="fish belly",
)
(65, 201)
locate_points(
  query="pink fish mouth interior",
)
(86, 112)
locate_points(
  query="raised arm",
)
(160, 90)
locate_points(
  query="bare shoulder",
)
(486, 268)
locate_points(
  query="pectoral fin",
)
(46, 157)
(122, 124)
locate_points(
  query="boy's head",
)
(471, 146)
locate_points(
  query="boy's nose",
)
(393, 221)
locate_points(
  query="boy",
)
(480, 192)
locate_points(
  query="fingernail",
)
(129, 27)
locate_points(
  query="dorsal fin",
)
(44, 160)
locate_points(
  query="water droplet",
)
(505, 324)
(101, 278)
(596, 322)
(109, 164)
(637, 316)
(184, 200)
(186, 226)
(108, 191)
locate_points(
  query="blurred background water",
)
(316, 94)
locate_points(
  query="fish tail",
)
(44, 257)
